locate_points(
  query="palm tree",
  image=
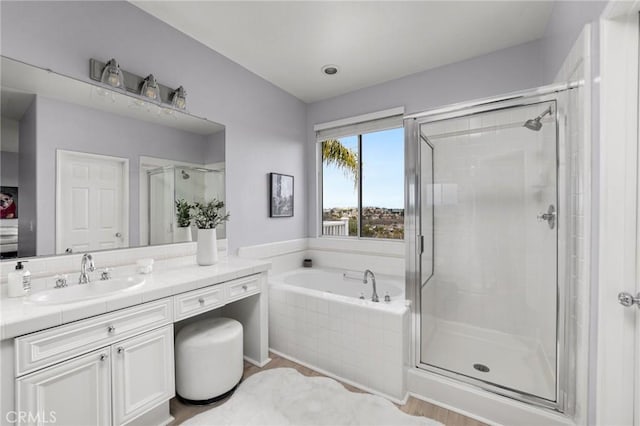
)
(334, 153)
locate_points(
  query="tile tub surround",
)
(170, 277)
(331, 252)
(357, 341)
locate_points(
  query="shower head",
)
(533, 124)
(536, 123)
(185, 175)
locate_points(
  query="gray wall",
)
(265, 126)
(564, 26)
(75, 128)
(215, 148)
(9, 159)
(9, 168)
(27, 205)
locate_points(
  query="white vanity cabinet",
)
(74, 392)
(117, 368)
(121, 378)
(143, 373)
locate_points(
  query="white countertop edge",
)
(19, 317)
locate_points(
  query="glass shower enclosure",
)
(172, 183)
(482, 243)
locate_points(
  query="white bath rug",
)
(283, 397)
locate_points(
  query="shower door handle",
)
(549, 216)
(627, 300)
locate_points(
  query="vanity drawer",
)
(237, 289)
(195, 302)
(48, 347)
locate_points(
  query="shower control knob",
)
(627, 300)
(549, 216)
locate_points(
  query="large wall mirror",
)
(84, 168)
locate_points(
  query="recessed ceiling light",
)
(330, 69)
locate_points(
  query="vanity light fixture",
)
(179, 98)
(150, 88)
(112, 75)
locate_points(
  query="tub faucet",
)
(374, 296)
(84, 276)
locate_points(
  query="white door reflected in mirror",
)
(92, 192)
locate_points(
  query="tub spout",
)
(374, 296)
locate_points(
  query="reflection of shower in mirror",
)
(172, 183)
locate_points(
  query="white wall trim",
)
(618, 213)
(359, 118)
(280, 248)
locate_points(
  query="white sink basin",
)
(78, 292)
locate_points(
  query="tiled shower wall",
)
(575, 107)
(494, 261)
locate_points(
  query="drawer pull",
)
(245, 288)
(111, 329)
(201, 300)
(103, 357)
(120, 349)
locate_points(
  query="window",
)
(363, 183)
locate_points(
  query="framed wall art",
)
(281, 189)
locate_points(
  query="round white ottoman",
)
(209, 361)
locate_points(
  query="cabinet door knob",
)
(111, 329)
(120, 349)
(103, 357)
(201, 300)
(245, 288)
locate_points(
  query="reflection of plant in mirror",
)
(183, 213)
(208, 215)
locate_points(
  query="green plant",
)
(334, 153)
(183, 213)
(209, 214)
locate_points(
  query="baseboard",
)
(454, 409)
(256, 363)
(479, 404)
(342, 379)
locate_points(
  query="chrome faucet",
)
(84, 276)
(374, 296)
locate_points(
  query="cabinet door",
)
(75, 392)
(143, 373)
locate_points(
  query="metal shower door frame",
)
(413, 201)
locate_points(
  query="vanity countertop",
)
(19, 316)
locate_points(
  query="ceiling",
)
(288, 42)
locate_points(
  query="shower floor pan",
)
(502, 359)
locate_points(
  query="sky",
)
(382, 171)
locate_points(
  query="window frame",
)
(320, 203)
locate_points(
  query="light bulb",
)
(150, 88)
(112, 75)
(179, 98)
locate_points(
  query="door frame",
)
(564, 350)
(618, 233)
(64, 155)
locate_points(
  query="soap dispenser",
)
(19, 281)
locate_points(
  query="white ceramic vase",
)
(207, 253)
(182, 234)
